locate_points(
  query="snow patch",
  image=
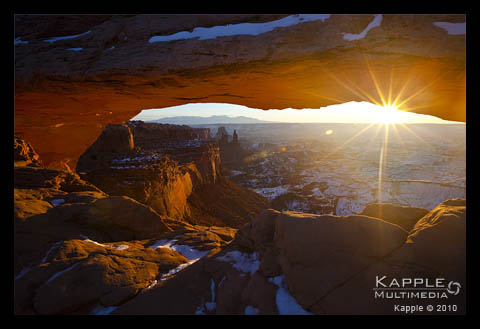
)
(286, 304)
(203, 33)
(221, 281)
(56, 275)
(236, 172)
(102, 310)
(24, 271)
(55, 39)
(75, 49)
(86, 239)
(120, 247)
(247, 263)
(57, 202)
(208, 306)
(151, 285)
(175, 270)
(250, 310)
(452, 28)
(377, 20)
(271, 192)
(44, 259)
(186, 251)
(19, 41)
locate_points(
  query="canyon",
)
(115, 216)
(176, 170)
(80, 249)
(299, 167)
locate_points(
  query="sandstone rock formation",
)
(174, 169)
(405, 217)
(81, 251)
(222, 135)
(156, 136)
(293, 263)
(232, 154)
(24, 154)
(107, 70)
(78, 250)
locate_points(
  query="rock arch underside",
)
(65, 96)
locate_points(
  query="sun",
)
(389, 114)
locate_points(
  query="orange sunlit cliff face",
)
(63, 99)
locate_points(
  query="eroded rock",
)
(85, 273)
(74, 94)
(403, 216)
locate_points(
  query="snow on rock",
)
(57, 202)
(56, 275)
(271, 192)
(348, 206)
(377, 20)
(422, 194)
(121, 247)
(117, 247)
(250, 310)
(186, 251)
(44, 259)
(86, 239)
(151, 285)
(55, 39)
(24, 271)
(102, 310)
(19, 41)
(244, 262)
(175, 270)
(208, 306)
(236, 172)
(286, 304)
(203, 33)
(452, 28)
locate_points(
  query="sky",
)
(350, 112)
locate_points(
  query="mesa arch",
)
(67, 90)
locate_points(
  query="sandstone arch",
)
(64, 97)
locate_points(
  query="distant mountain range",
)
(221, 119)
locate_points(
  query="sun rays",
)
(392, 101)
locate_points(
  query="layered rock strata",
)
(75, 75)
(174, 169)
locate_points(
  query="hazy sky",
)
(354, 112)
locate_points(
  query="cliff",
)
(81, 251)
(74, 75)
(166, 167)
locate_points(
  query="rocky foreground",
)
(79, 250)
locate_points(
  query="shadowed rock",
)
(403, 216)
(24, 154)
(78, 275)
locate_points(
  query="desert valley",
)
(117, 215)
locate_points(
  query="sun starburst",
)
(391, 106)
